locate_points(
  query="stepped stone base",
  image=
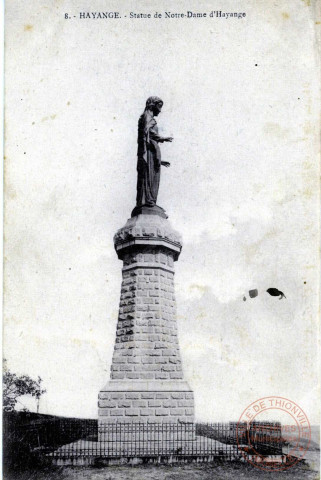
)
(146, 402)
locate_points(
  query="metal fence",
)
(262, 437)
(64, 439)
(146, 440)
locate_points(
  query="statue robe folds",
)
(148, 161)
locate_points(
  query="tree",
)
(15, 386)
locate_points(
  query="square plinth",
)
(146, 402)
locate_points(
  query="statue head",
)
(154, 104)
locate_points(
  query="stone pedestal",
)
(147, 383)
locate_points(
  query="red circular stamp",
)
(273, 433)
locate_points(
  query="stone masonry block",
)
(118, 360)
(139, 403)
(133, 375)
(131, 419)
(147, 360)
(127, 368)
(161, 376)
(160, 360)
(142, 308)
(169, 352)
(177, 411)
(133, 360)
(146, 411)
(124, 403)
(118, 376)
(153, 322)
(155, 419)
(107, 420)
(131, 412)
(168, 368)
(185, 403)
(141, 337)
(161, 411)
(103, 412)
(117, 412)
(132, 395)
(146, 329)
(163, 395)
(178, 395)
(148, 395)
(142, 322)
(147, 376)
(116, 395)
(146, 368)
(154, 403)
(107, 404)
(174, 360)
(154, 338)
(125, 351)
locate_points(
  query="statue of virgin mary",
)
(149, 155)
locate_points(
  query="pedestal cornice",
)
(147, 230)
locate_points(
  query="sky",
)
(241, 101)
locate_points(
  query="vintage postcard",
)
(161, 252)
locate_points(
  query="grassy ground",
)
(226, 471)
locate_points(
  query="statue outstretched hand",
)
(165, 164)
(167, 139)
